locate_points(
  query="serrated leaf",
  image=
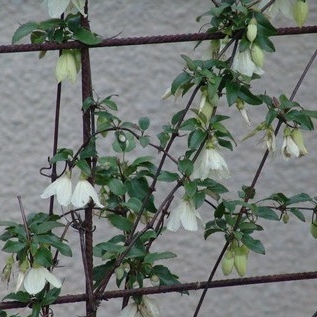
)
(253, 244)
(24, 30)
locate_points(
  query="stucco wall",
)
(140, 75)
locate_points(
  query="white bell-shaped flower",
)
(57, 7)
(83, 192)
(184, 214)
(36, 278)
(149, 307)
(289, 147)
(243, 63)
(62, 188)
(67, 66)
(210, 164)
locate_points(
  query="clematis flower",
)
(243, 110)
(207, 105)
(210, 164)
(36, 278)
(148, 307)
(184, 214)
(289, 147)
(297, 137)
(83, 192)
(57, 7)
(243, 63)
(269, 139)
(67, 66)
(62, 188)
(282, 6)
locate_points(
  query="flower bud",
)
(300, 12)
(126, 267)
(252, 30)
(240, 261)
(119, 271)
(155, 280)
(313, 229)
(227, 262)
(297, 137)
(257, 55)
(285, 217)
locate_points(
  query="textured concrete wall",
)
(140, 75)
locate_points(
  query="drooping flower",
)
(283, 6)
(36, 278)
(57, 7)
(83, 192)
(210, 164)
(67, 66)
(243, 63)
(62, 188)
(299, 140)
(148, 307)
(300, 12)
(289, 147)
(242, 108)
(269, 139)
(184, 214)
(206, 105)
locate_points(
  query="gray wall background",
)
(140, 76)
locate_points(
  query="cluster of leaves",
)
(56, 30)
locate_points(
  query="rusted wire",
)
(66, 299)
(142, 40)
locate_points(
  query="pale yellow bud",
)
(119, 271)
(297, 137)
(257, 55)
(240, 261)
(300, 12)
(155, 280)
(227, 262)
(252, 30)
(285, 218)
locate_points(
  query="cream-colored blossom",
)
(148, 307)
(240, 104)
(57, 7)
(184, 214)
(62, 188)
(279, 6)
(83, 192)
(36, 278)
(269, 139)
(289, 147)
(67, 66)
(243, 63)
(210, 164)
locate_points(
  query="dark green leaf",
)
(24, 30)
(117, 187)
(195, 138)
(152, 257)
(296, 212)
(20, 296)
(252, 244)
(232, 92)
(88, 102)
(120, 222)
(43, 257)
(144, 123)
(85, 36)
(13, 246)
(299, 198)
(267, 213)
(83, 165)
(166, 176)
(51, 296)
(180, 80)
(246, 95)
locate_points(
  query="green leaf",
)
(180, 80)
(252, 244)
(51, 296)
(83, 165)
(196, 138)
(144, 123)
(152, 257)
(267, 213)
(55, 242)
(190, 189)
(299, 198)
(296, 212)
(134, 204)
(20, 296)
(109, 103)
(120, 222)
(165, 275)
(117, 187)
(232, 92)
(24, 30)
(166, 176)
(85, 36)
(185, 166)
(47, 226)
(62, 155)
(43, 257)
(88, 102)
(13, 246)
(246, 95)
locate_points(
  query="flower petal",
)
(34, 281)
(52, 279)
(129, 311)
(57, 7)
